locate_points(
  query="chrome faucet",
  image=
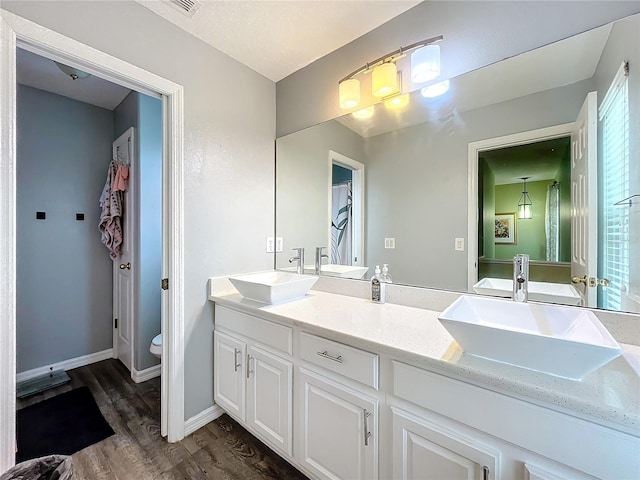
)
(300, 259)
(319, 257)
(521, 277)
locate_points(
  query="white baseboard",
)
(146, 374)
(201, 419)
(66, 364)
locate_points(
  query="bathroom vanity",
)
(344, 388)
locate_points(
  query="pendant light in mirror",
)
(349, 93)
(384, 80)
(524, 204)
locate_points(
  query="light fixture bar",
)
(391, 57)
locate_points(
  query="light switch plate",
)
(270, 244)
(389, 243)
(459, 245)
(279, 244)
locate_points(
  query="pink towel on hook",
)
(112, 203)
(121, 178)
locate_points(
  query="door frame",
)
(16, 31)
(538, 135)
(357, 194)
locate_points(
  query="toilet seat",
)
(156, 346)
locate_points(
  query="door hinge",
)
(165, 284)
(115, 323)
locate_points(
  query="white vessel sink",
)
(273, 287)
(563, 341)
(346, 271)
(539, 291)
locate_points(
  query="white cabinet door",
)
(228, 374)
(426, 451)
(269, 397)
(338, 430)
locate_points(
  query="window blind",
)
(614, 118)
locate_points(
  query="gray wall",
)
(302, 185)
(144, 113)
(476, 33)
(417, 183)
(228, 168)
(64, 295)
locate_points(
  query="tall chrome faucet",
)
(521, 277)
(319, 257)
(300, 260)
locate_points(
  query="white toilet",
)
(156, 346)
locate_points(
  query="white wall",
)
(476, 33)
(228, 169)
(64, 272)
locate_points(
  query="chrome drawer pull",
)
(365, 415)
(237, 364)
(249, 371)
(330, 357)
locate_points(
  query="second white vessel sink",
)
(539, 291)
(563, 341)
(273, 287)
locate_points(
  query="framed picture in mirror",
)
(505, 228)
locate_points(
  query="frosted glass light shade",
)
(425, 64)
(384, 80)
(436, 89)
(524, 212)
(349, 92)
(363, 113)
(398, 102)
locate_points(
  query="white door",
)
(584, 200)
(229, 386)
(338, 438)
(124, 266)
(425, 452)
(269, 394)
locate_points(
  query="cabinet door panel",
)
(270, 407)
(333, 431)
(228, 374)
(426, 451)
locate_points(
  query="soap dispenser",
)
(386, 278)
(377, 286)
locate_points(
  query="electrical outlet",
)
(459, 245)
(279, 244)
(389, 243)
(270, 244)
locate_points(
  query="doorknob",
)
(584, 279)
(591, 281)
(125, 266)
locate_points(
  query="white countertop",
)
(609, 396)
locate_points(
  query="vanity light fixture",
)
(384, 81)
(524, 204)
(435, 90)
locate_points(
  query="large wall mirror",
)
(433, 186)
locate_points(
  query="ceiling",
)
(277, 38)
(39, 72)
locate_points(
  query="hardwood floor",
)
(220, 450)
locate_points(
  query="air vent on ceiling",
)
(188, 7)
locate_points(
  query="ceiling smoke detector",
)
(188, 7)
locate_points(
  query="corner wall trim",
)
(201, 419)
(140, 376)
(66, 364)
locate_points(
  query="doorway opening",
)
(345, 210)
(17, 32)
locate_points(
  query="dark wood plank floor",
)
(220, 450)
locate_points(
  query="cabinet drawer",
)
(263, 331)
(339, 358)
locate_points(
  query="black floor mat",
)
(60, 425)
